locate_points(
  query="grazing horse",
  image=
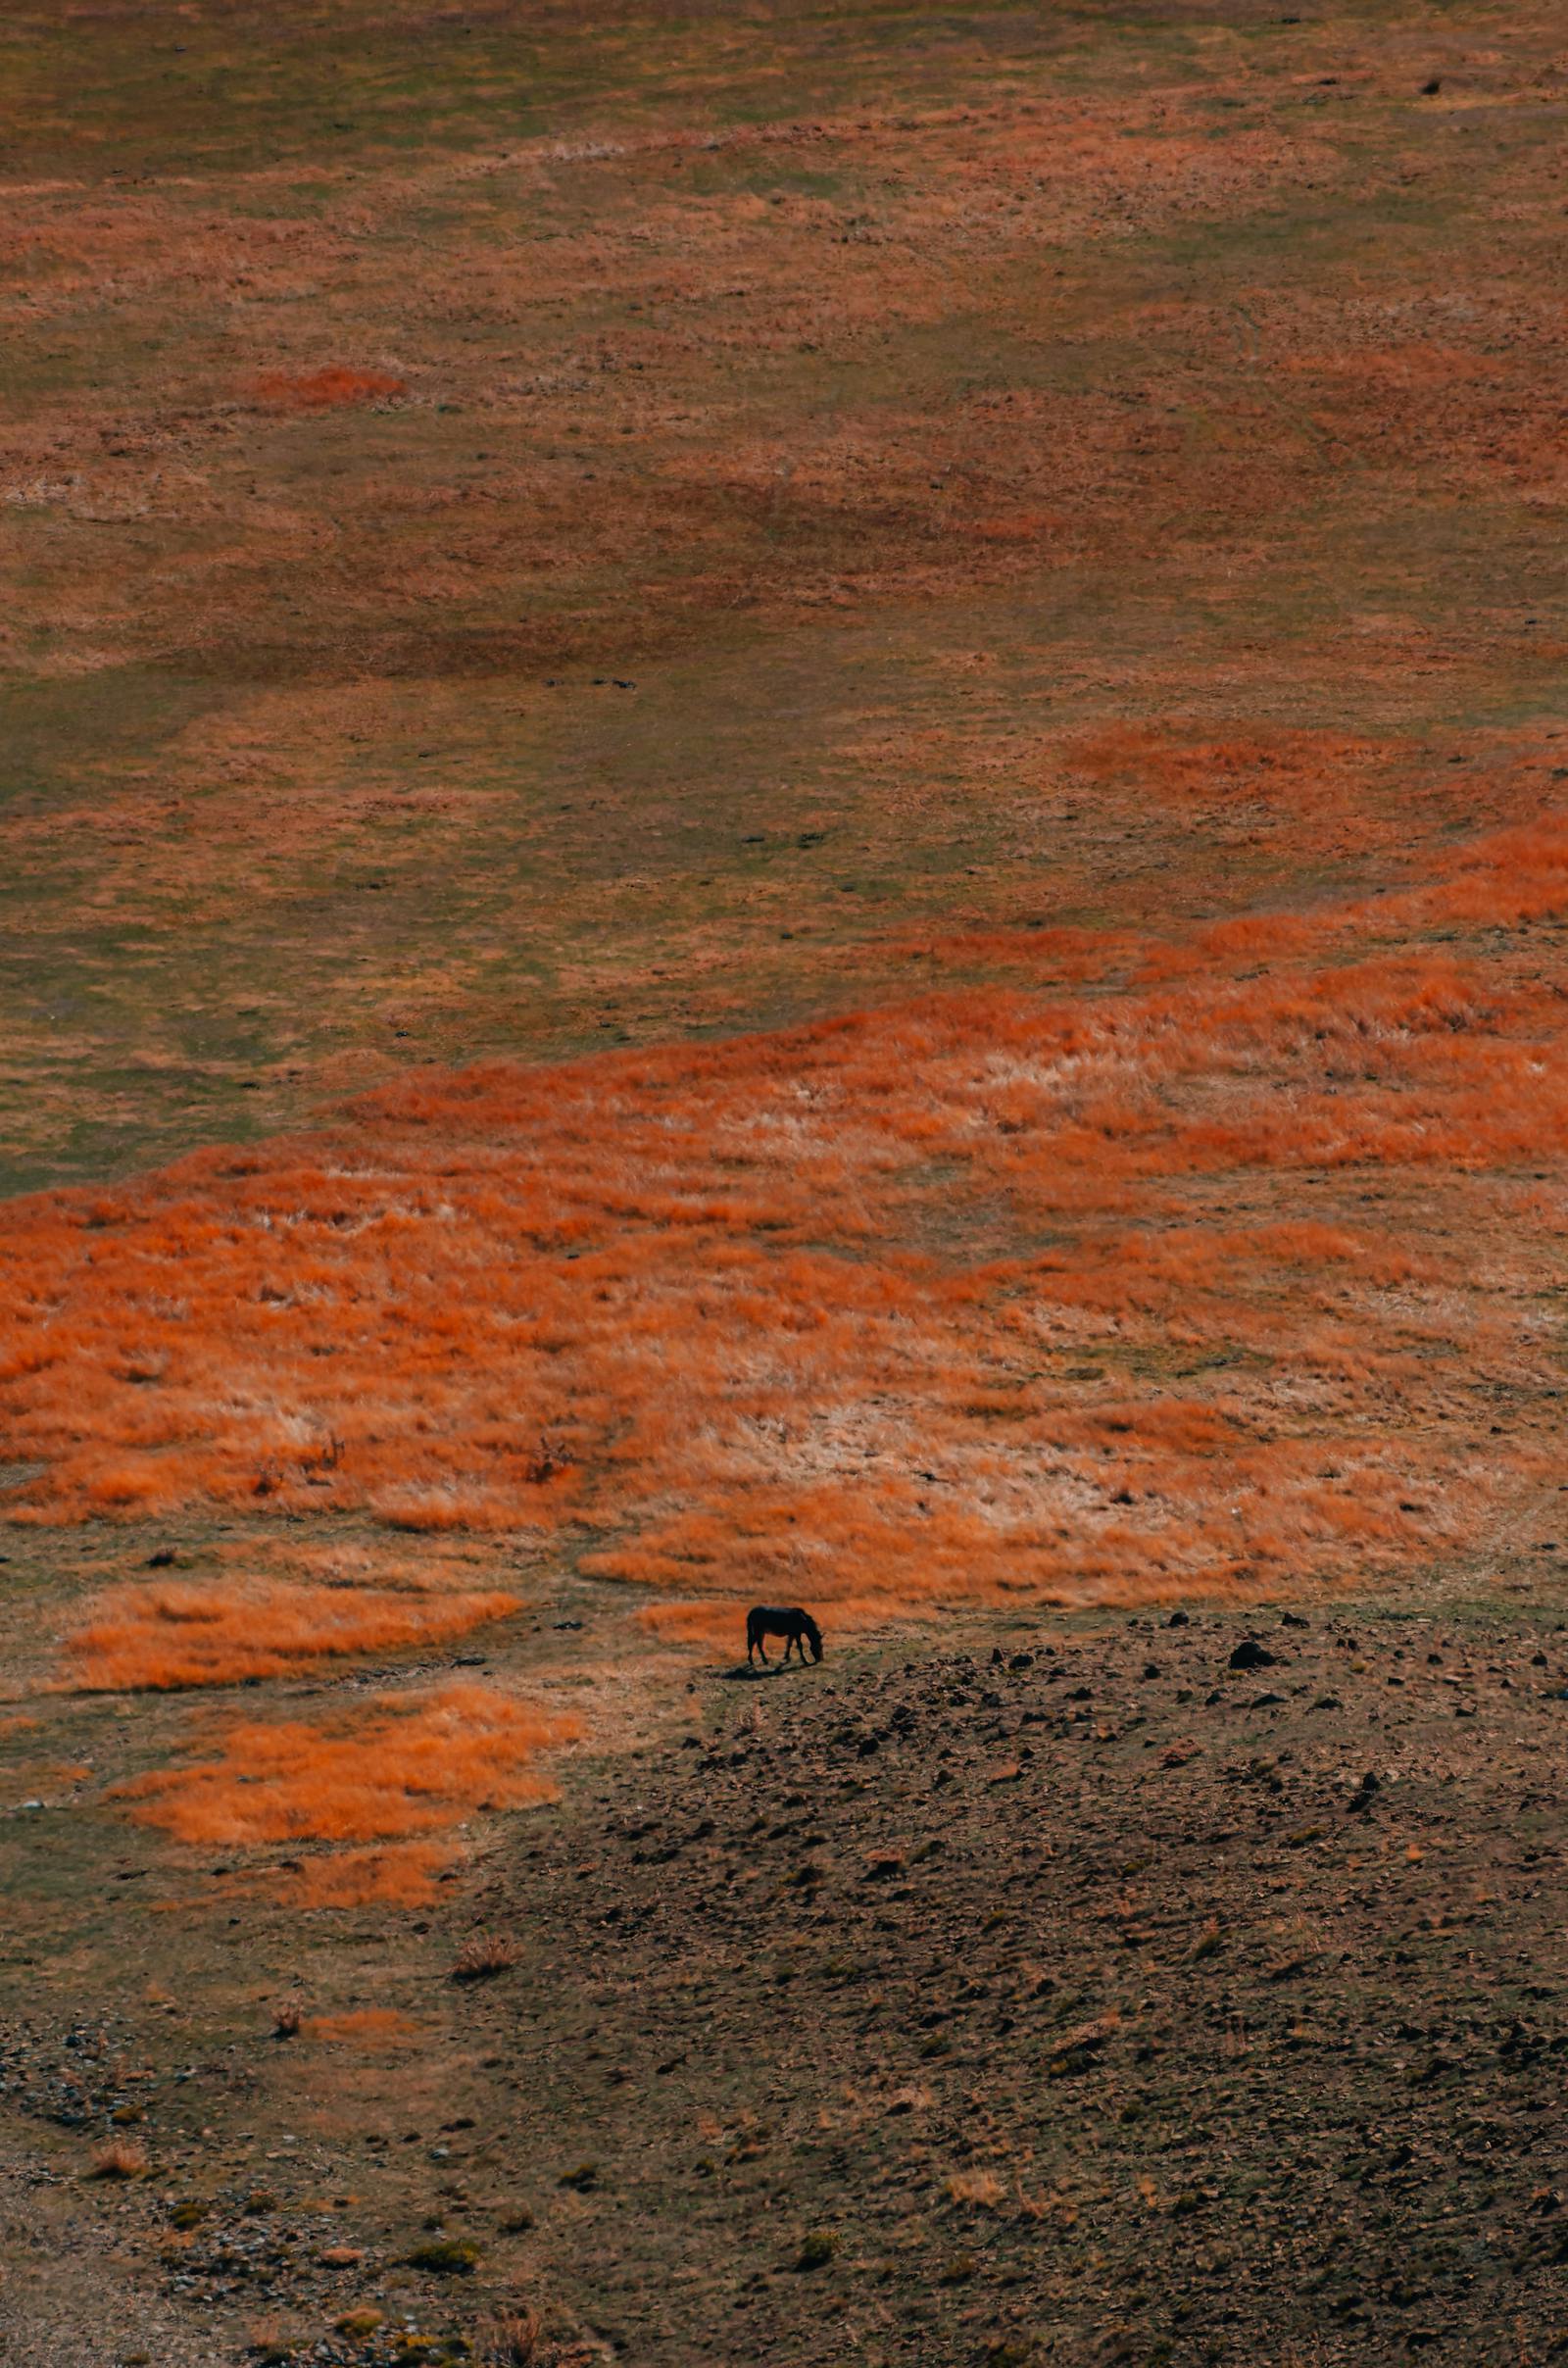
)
(796, 1627)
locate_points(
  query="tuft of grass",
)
(118, 2159)
(818, 2248)
(482, 1956)
(360, 2323)
(509, 2340)
(445, 2257)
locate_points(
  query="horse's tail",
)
(814, 1635)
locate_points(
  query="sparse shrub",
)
(356, 2324)
(445, 2257)
(287, 2019)
(979, 2188)
(118, 2159)
(482, 1956)
(818, 2248)
(510, 2340)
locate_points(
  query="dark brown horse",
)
(796, 1627)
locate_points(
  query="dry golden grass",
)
(402, 1874)
(1092, 1298)
(365, 2027)
(404, 1766)
(176, 1634)
(482, 1956)
(510, 2340)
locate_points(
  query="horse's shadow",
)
(746, 1673)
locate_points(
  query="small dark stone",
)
(1180, 1620)
(1250, 1654)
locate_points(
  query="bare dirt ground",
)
(784, 816)
(1076, 1996)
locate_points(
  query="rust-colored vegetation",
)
(411, 1765)
(1092, 1298)
(397, 1874)
(175, 1634)
(327, 389)
(363, 2027)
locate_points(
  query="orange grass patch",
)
(403, 1874)
(1086, 1296)
(327, 389)
(365, 2026)
(404, 1766)
(175, 1634)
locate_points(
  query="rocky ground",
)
(1082, 1995)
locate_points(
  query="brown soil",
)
(1073, 1997)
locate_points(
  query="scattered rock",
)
(1250, 1654)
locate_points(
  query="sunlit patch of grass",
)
(176, 1634)
(398, 1874)
(327, 389)
(400, 1767)
(363, 2027)
(811, 1314)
